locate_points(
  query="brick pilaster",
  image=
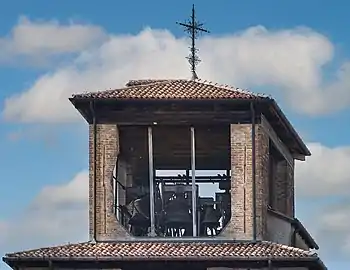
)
(241, 223)
(107, 149)
(262, 179)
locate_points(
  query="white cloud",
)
(332, 228)
(290, 60)
(59, 214)
(325, 173)
(323, 183)
(41, 39)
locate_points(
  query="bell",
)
(210, 220)
(177, 219)
(140, 212)
(211, 217)
(177, 213)
(224, 185)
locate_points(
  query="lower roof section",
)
(165, 250)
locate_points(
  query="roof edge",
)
(141, 258)
(304, 233)
(191, 240)
(209, 241)
(298, 226)
(280, 113)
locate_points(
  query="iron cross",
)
(193, 27)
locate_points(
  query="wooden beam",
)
(205, 163)
(170, 118)
(299, 157)
(169, 263)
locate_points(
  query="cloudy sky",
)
(297, 51)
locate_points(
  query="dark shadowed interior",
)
(173, 203)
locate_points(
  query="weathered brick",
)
(283, 197)
(262, 174)
(280, 183)
(107, 149)
(241, 223)
(290, 196)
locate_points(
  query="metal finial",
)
(193, 27)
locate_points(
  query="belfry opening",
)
(180, 180)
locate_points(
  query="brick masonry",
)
(290, 196)
(262, 176)
(241, 223)
(280, 183)
(107, 149)
(283, 198)
(284, 189)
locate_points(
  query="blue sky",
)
(293, 50)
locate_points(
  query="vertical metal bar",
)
(116, 191)
(102, 169)
(194, 193)
(270, 265)
(253, 170)
(151, 178)
(94, 124)
(187, 177)
(51, 267)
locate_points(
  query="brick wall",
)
(262, 174)
(284, 178)
(284, 189)
(241, 223)
(280, 183)
(290, 196)
(107, 149)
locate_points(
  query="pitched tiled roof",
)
(172, 89)
(165, 250)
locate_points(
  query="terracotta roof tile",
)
(166, 250)
(172, 89)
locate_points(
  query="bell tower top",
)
(241, 215)
(150, 126)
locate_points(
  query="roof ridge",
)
(143, 85)
(142, 82)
